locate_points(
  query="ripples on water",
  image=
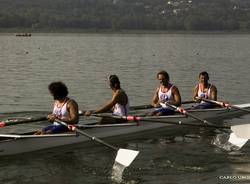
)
(83, 62)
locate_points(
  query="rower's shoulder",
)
(197, 86)
(175, 88)
(213, 87)
(123, 93)
(120, 91)
(72, 102)
(119, 94)
(157, 89)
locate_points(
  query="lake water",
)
(84, 62)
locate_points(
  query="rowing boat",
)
(15, 144)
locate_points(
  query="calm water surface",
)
(84, 61)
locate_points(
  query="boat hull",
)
(17, 145)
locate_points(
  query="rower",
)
(119, 103)
(65, 109)
(204, 90)
(166, 92)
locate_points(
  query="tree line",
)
(126, 14)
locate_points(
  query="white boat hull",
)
(22, 144)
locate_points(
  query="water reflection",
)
(163, 159)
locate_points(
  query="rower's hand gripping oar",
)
(124, 156)
(224, 104)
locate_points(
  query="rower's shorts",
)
(56, 129)
(164, 111)
(205, 105)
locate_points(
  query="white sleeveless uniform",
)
(166, 96)
(61, 112)
(202, 94)
(121, 110)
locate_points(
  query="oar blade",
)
(237, 141)
(241, 131)
(126, 156)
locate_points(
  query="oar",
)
(16, 121)
(157, 119)
(239, 136)
(224, 104)
(185, 112)
(10, 122)
(242, 131)
(124, 156)
(108, 125)
(234, 138)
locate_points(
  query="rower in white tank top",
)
(121, 110)
(166, 96)
(60, 110)
(204, 94)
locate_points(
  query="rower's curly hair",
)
(58, 89)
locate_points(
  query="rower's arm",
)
(108, 106)
(213, 93)
(73, 113)
(155, 99)
(177, 97)
(195, 94)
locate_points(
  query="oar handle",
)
(153, 119)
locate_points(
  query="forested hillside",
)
(126, 14)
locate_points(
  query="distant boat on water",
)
(23, 34)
